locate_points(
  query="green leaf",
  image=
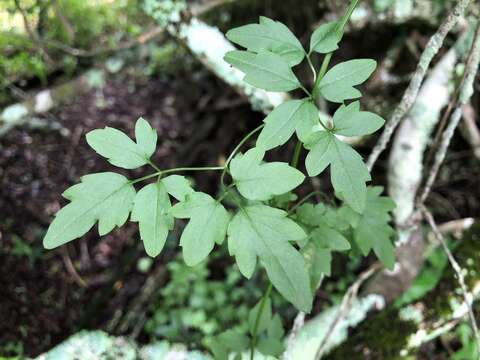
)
(347, 170)
(265, 232)
(234, 340)
(122, 151)
(265, 317)
(106, 197)
(338, 83)
(350, 121)
(207, 226)
(325, 39)
(178, 186)
(151, 211)
(264, 70)
(269, 35)
(329, 238)
(268, 346)
(282, 122)
(371, 229)
(257, 181)
(319, 262)
(146, 137)
(275, 328)
(310, 214)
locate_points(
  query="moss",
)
(381, 336)
(467, 253)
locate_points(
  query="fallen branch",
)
(408, 99)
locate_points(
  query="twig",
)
(345, 306)
(71, 268)
(470, 129)
(465, 91)
(33, 36)
(458, 271)
(433, 46)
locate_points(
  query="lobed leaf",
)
(151, 210)
(284, 120)
(348, 172)
(103, 197)
(269, 35)
(371, 230)
(350, 121)
(325, 38)
(338, 83)
(264, 70)
(122, 151)
(178, 186)
(265, 232)
(207, 226)
(257, 181)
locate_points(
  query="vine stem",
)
(328, 57)
(303, 200)
(240, 144)
(257, 320)
(180, 169)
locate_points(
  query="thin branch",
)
(33, 36)
(408, 99)
(345, 306)
(465, 93)
(458, 271)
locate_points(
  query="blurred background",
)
(69, 66)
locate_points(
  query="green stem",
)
(326, 60)
(303, 200)
(296, 154)
(257, 320)
(314, 72)
(240, 144)
(181, 169)
(154, 166)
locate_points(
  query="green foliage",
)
(103, 197)
(120, 150)
(326, 38)
(264, 232)
(269, 35)
(265, 70)
(371, 229)
(338, 83)
(257, 181)
(293, 245)
(207, 226)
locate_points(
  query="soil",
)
(39, 296)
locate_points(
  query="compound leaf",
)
(264, 70)
(122, 151)
(265, 232)
(257, 181)
(282, 122)
(338, 83)
(103, 197)
(325, 38)
(350, 121)
(347, 170)
(151, 211)
(207, 226)
(271, 36)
